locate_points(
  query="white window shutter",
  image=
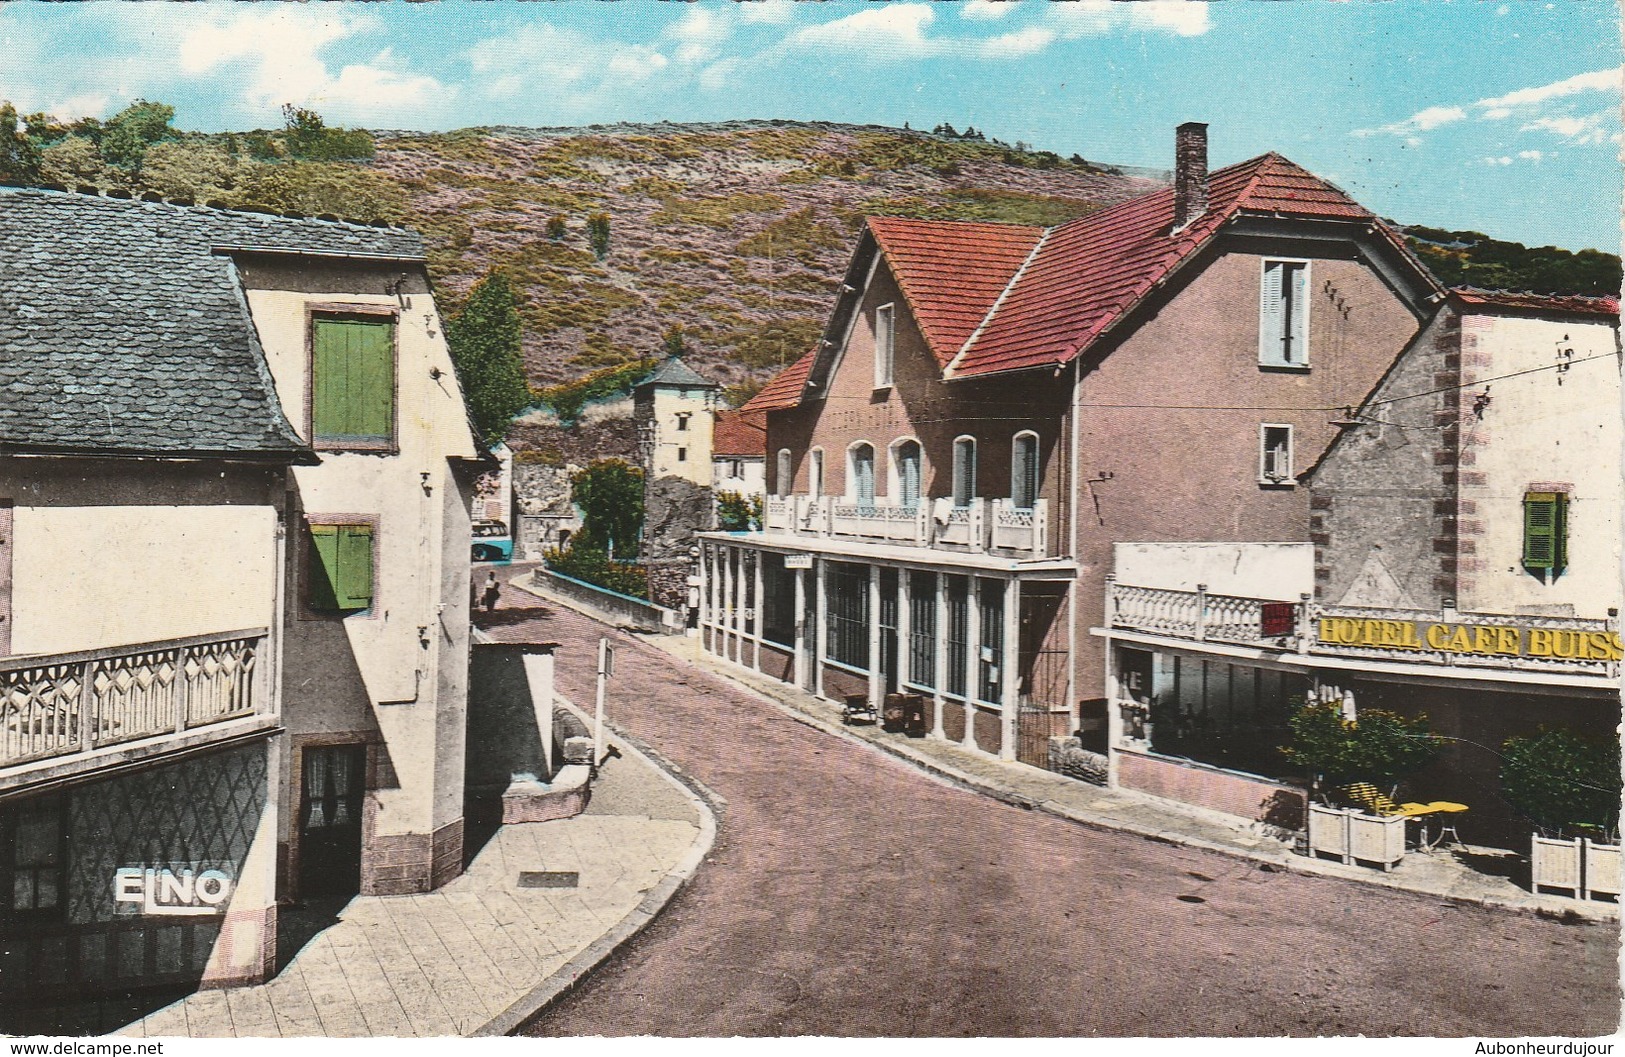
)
(1298, 338)
(1270, 323)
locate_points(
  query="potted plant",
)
(1375, 750)
(1569, 787)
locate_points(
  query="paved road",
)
(850, 894)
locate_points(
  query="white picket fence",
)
(1580, 866)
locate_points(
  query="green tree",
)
(19, 156)
(555, 228)
(309, 138)
(74, 161)
(1563, 782)
(128, 133)
(610, 495)
(316, 188)
(598, 234)
(673, 342)
(1379, 747)
(737, 512)
(484, 339)
(194, 169)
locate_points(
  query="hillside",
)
(738, 233)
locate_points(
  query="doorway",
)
(333, 781)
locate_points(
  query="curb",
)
(566, 977)
(1600, 913)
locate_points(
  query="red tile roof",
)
(784, 389)
(740, 433)
(1572, 303)
(1088, 273)
(952, 273)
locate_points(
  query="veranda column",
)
(877, 682)
(905, 627)
(973, 660)
(939, 656)
(738, 601)
(801, 630)
(708, 579)
(820, 624)
(1009, 676)
(726, 554)
(756, 613)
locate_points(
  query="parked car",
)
(492, 543)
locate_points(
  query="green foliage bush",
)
(737, 512)
(598, 234)
(484, 339)
(567, 400)
(308, 138)
(315, 188)
(74, 162)
(127, 135)
(609, 493)
(594, 566)
(1471, 258)
(188, 168)
(1564, 783)
(19, 155)
(1378, 747)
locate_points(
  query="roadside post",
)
(606, 668)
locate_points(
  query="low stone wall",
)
(645, 616)
(1259, 799)
(1068, 756)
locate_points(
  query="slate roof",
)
(122, 330)
(672, 371)
(741, 433)
(1574, 304)
(783, 389)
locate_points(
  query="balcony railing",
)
(1202, 616)
(63, 704)
(1444, 638)
(983, 525)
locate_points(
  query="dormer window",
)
(1283, 315)
(885, 331)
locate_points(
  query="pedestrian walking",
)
(492, 592)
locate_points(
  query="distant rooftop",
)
(1566, 303)
(672, 371)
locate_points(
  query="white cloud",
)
(1422, 121)
(700, 35)
(772, 12)
(1597, 81)
(1599, 127)
(1029, 41)
(1502, 160)
(985, 10)
(896, 31)
(1092, 18)
(1531, 155)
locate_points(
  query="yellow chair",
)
(1376, 802)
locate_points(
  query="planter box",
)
(1580, 866)
(1354, 836)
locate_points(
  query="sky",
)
(1496, 117)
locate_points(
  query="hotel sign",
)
(167, 892)
(1497, 640)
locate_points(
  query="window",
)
(847, 593)
(906, 465)
(1546, 532)
(1024, 471)
(682, 421)
(885, 330)
(1283, 315)
(682, 454)
(341, 568)
(31, 866)
(782, 480)
(733, 467)
(861, 486)
(964, 471)
(815, 473)
(352, 381)
(922, 625)
(1274, 454)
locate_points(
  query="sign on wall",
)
(1501, 640)
(798, 561)
(163, 891)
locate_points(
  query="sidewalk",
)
(482, 954)
(1441, 873)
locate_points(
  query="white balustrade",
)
(69, 703)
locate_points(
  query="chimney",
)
(1190, 172)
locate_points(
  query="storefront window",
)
(848, 595)
(778, 601)
(31, 857)
(1228, 715)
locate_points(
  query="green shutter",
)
(324, 566)
(1545, 530)
(353, 388)
(355, 567)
